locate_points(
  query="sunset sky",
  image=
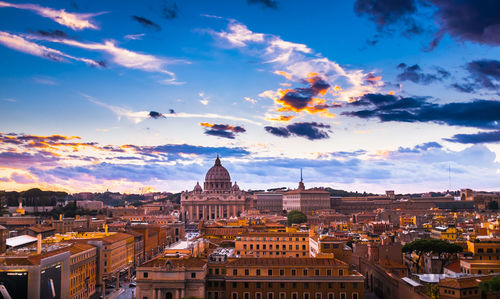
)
(364, 95)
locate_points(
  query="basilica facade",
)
(218, 198)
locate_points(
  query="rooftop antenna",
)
(449, 176)
(301, 174)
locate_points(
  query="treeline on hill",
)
(33, 197)
(343, 193)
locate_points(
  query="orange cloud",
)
(281, 118)
(284, 74)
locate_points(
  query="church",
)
(218, 198)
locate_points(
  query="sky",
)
(363, 95)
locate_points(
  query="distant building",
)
(269, 202)
(90, 204)
(218, 199)
(272, 244)
(306, 201)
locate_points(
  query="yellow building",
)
(273, 244)
(407, 220)
(449, 233)
(485, 248)
(83, 270)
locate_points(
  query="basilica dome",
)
(217, 177)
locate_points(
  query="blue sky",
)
(365, 95)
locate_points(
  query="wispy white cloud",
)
(9, 100)
(120, 56)
(134, 36)
(44, 80)
(139, 116)
(253, 101)
(238, 35)
(75, 21)
(19, 43)
(204, 99)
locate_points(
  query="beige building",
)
(306, 201)
(272, 244)
(218, 199)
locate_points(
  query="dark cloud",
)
(222, 130)
(171, 111)
(223, 134)
(478, 113)
(388, 12)
(52, 33)
(414, 74)
(479, 137)
(155, 115)
(483, 74)
(265, 3)
(470, 20)
(16, 160)
(282, 132)
(146, 22)
(309, 130)
(420, 148)
(464, 87)
(170, 11)
(21, 178)
(464, 20)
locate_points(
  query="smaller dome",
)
(236, 187)
(197, 188)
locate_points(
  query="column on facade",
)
(197, 217)
(234, 210)
(210, 211)
(204, 212)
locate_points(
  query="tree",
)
(443, 249)
(490, 286)
(296, 217)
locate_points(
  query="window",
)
(316, 272)
(247, 272)
(258, 272)
(294, 296)
(270, 296)
(329, 272)
(294, 272)
(342, 296)
(193, 275)
(270, 285)
(258, 285)
(306, 285)
(303, 247)
(282, 295)
(235, 295)
(217, 271)
(341, 272)
(318, 295)
(306, 296)
(294, 285)
(246, 295)
(235, 272)
(270, 271)
(235, 285)
(282, 285)
(330, 295)
(354, 295)
(342, 285)
(246, 285)
(354, 285)
(305, 272)
(282, 272)
(258, 295)
(145, 275)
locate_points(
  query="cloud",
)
(304, 99)
(222, 130)
(139, 116)
(75, 21)
(251, 100)
(265, 3)
(18, 43)
(483, 74)
(52, 33)
(146, 22)
(21, 178)
(24, 160)
(280, 118)
(134, 36)
(170, 11)
(464, 20)
(478, 113)
(120, 56)
(45, 80)
(155, 115)
(479, 137)
(414, 74)
(239, 35)
(309, 130)
(204, 99)
(187, 149)
(387, 12)
(420, 147)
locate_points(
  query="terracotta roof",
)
(116, 237)
(460, 283)
(275, 234)
(306, 261)
(79, 247)
(455, 266)
(40, 228)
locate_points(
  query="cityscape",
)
(249, 149)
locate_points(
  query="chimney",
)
(60, 217)
(106, 229)
(39, 243)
